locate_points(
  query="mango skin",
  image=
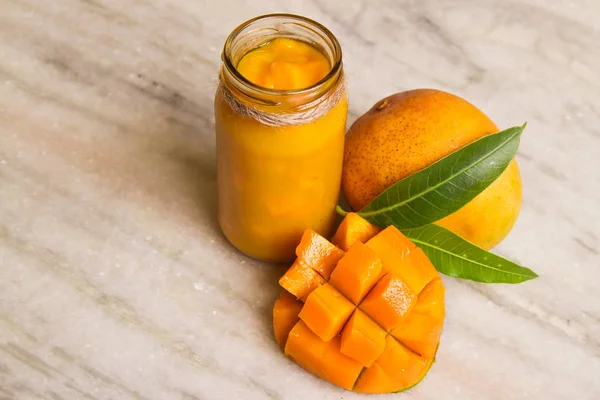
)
(488, 218)
(409, 131)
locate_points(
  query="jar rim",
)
(232, 69)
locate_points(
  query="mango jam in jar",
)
(280, 117)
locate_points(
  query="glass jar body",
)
(275, 181)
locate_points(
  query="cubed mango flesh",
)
(339, 368)
(322, 358)
(416, 270)
(372, 316)
(305, 348)
(326, 311)
(391, 247)
(362, 339)
(318, 253)
(354, 229)
(374, 380)
(431, 300)
(390, 301)
(401, 364)
(300, 280)
(421, 330)
(285, 316)
(356, 273)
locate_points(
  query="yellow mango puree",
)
(284, 64)
(275, 182)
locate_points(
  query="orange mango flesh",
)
(285, 316)
(375, 380)
(391, 247)
(362, 339)
(431, 300)
(284, 64)
(421, 331)
(322, 358)
(387, 343)
(339, 368)
(305, 348)
(400, 363)
(300, 280)
(389, 302)
(326, 312)
(318, 253)
(356, 272)
(353, 229)
(416, 270)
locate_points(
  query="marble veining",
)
(115, 282)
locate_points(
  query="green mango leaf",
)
(454, 256)
(446, 185)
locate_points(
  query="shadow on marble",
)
(199, 177)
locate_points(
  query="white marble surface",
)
(115, 282)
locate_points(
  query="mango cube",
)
(389, 302)
(353, 229)
(285, 316)
(374, 380)
(300, 280)
(400, 364)
(362, 339)
(322, 358)
(357, 272)
(326, 311)
(339, 368)
(416, 270)
(391, 246)
(318, 253)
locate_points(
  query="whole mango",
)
(409, 131)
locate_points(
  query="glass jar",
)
(276, 179)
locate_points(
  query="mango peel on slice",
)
(366, 316)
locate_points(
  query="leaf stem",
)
(341, 211)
